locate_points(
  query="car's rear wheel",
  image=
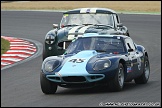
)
(117, 83)
(146, 72)
(47, 86)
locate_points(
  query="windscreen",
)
(79, 19)
(100, 44)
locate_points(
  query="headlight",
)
(101, 64)
(50, 39)
(51, 65)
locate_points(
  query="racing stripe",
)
(83, 29)
(70, 34)
(77, 68)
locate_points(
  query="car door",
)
(132, 56)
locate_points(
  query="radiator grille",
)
(74, 79)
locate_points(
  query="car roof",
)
(102, 35)
(91, 10)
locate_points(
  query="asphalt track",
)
(20, 84)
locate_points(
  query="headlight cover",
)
(51, 65)
(50, 39)
(101, 64)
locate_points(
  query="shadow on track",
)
(128, 87)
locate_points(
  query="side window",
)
(129, 44)
(110, 19)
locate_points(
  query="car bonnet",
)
(76, 65)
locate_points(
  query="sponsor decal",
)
(129, 69)
(88, 11)
(65, 15)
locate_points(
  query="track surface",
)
(20, 84)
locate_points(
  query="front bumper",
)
(75, 79)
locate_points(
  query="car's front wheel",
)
(117, 83)
(146, 72)
(47, 86)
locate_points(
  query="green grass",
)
(5, 45)
(129, 6)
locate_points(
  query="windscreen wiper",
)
(87, 24)
(100, 50)
(99, 25)
(68, 25)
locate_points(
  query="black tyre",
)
(47, 86)
(143, 79)
(117, 83)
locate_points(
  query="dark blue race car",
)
(94, 59)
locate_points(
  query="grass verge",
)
(127, 6)
(5, 45)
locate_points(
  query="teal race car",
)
(96, 59)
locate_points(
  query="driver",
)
(86, 44)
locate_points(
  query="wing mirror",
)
(55, 26)
(120, 25)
